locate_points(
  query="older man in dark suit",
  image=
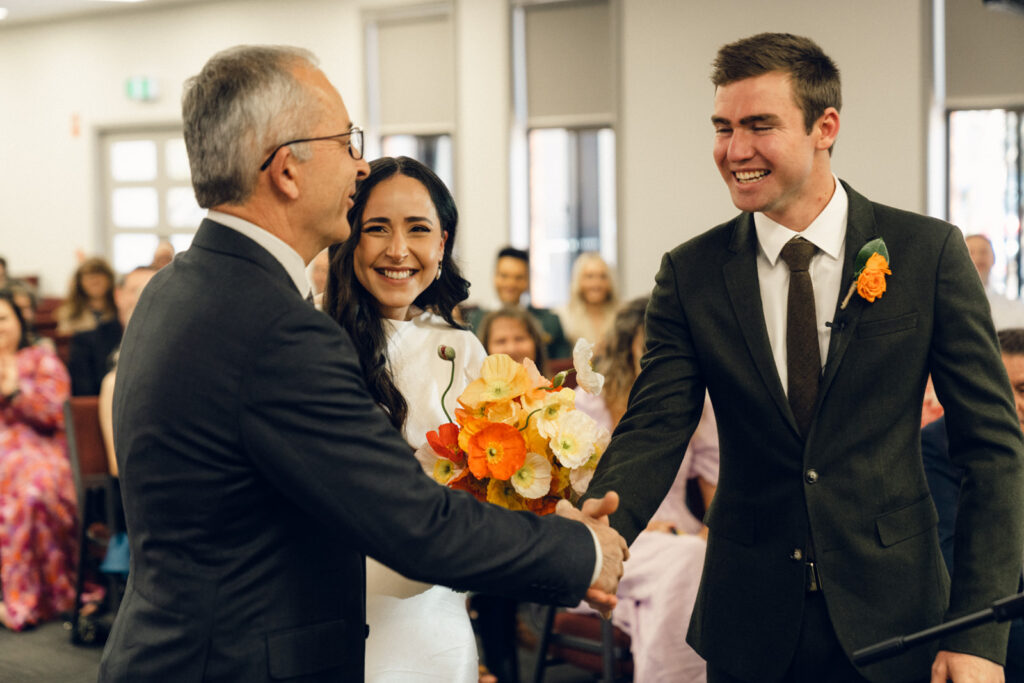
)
(822, 530)
(256, 470)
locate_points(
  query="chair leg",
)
(542, 646)
(83, 552)
(607, 651)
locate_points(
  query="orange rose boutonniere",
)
(872, 266)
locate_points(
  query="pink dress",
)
(37, 494)
(659, 585)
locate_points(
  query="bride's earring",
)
(438, 276)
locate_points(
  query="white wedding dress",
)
(419, 632)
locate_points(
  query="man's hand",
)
(601, 596)
(963, 668)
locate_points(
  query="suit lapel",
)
(740, 273)
(860, 228)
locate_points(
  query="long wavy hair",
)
(23, 339)
(77, 301)
(358, 312)
(618, 362)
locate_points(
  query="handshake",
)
(594, 513)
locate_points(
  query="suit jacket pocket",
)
(899, 525)
(312, 649)
(733, 523)
(877, 328)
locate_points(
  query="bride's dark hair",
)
(355, 309)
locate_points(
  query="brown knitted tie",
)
(803, 358)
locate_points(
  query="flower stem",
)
(853, 288)
(527, 423)
(451, 380)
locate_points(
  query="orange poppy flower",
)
(497, 450)
(445, 442)
(470, 484)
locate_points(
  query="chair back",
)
(86, 448)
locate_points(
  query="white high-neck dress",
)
(419, 632)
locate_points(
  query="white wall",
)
(669, 188)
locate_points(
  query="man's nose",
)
(740, 146)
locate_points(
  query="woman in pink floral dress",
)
(37, 495)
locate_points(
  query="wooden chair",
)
(586, 641)
(98, 494)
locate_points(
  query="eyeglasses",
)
(355, 144)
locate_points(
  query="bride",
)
(393, 285)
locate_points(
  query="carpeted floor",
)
(45, 655)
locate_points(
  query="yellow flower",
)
(533, 479)
(552, 405)
(441, 470)
(501, 379)
(504, 494)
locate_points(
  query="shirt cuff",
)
(598, 555)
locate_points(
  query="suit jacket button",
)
(797, 555)
(811, 477)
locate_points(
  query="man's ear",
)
(827, 127)
(284, 172)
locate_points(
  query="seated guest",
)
(592, 301)
(24, 297)
(89, 357)
(1006, 312)
(511, 282)
(162, 255)
(90, 299)
(513, 331)
(37, 493)
(945, 476)
(659, 585)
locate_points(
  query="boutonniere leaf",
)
(870, 269)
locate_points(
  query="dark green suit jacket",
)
(856, 482)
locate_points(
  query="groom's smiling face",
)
(767, 157)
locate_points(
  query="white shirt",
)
(828, 233)
(278, 248)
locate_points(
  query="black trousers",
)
(819, 658)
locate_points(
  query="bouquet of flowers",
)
(517, 439)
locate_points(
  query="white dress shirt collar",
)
(278, 248)
(827, 231)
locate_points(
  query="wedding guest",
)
(162, 255)
(90, 299)
(1006, 312)
(512, 283)
(513, 331)
(37, 495)
(24, 297)
(592, 301)
(659, 585)
(89, 358)
(393, 285)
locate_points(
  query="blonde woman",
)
(592, 299)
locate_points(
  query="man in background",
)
(1006, 312)
(511, 283)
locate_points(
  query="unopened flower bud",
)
(446, 352)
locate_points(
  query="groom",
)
(823, 535)
(256, 470)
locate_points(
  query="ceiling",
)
(28, 11)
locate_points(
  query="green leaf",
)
(875, 246)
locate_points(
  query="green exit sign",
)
(141, 88)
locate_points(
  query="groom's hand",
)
(601, 595)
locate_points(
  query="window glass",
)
(133, 160)
(135, 207)
(182, 209)
(176, 159)
(132, 250)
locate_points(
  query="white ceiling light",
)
(3, 13)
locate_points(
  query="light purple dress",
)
(659, 585)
